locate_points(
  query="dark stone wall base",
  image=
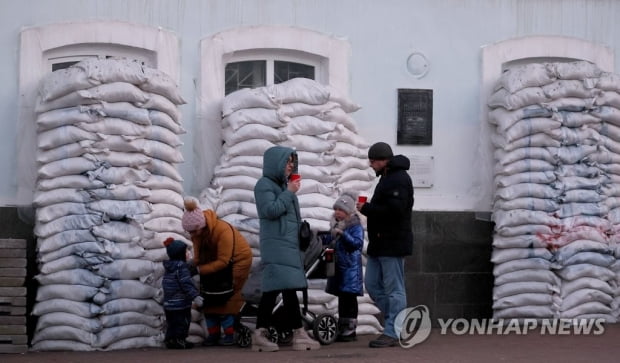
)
(12, 226)
(450, 270)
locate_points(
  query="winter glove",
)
(198, 301)
(190, 263)
(337, 229)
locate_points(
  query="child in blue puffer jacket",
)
(347, 239)
(179, 293)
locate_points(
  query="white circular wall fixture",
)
(417, 64)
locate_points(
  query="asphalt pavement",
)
(527, 348)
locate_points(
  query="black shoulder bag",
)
(217, 288)
(305, 235)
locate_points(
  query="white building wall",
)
(381, 35)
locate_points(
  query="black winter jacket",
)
(389, 211)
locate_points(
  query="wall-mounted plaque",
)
(415, 117)
(422, 171)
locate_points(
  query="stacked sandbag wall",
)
(557, 200)
(314, 120)
(108, 194)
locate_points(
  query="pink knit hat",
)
(193, 218)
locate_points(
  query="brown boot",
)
(261, 342)
(301, 340)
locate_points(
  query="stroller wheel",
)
(244, 336)
(325, 329)
(273, 334)
(285, 337)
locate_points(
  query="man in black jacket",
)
(390, 237)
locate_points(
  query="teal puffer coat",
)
(278, 211)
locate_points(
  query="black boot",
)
(346, 330)
(172, 343)
(184, 344)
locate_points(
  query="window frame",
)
(77, 52)
(270, 56)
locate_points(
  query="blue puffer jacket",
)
(278, 211)
(348, 249)
(178, 286)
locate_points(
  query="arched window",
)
(65, 56)
(501, 55)
(56, 46)
(253, 57)
(257, 68)
(257, 73)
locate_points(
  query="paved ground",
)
(529, 348)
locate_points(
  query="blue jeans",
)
(385, 283)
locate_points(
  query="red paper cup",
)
(295, 177)
(362, 199)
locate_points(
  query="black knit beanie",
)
(380, 151)
(175, 249)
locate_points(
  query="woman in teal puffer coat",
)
(283, 269)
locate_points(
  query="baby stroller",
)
(323, 326)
